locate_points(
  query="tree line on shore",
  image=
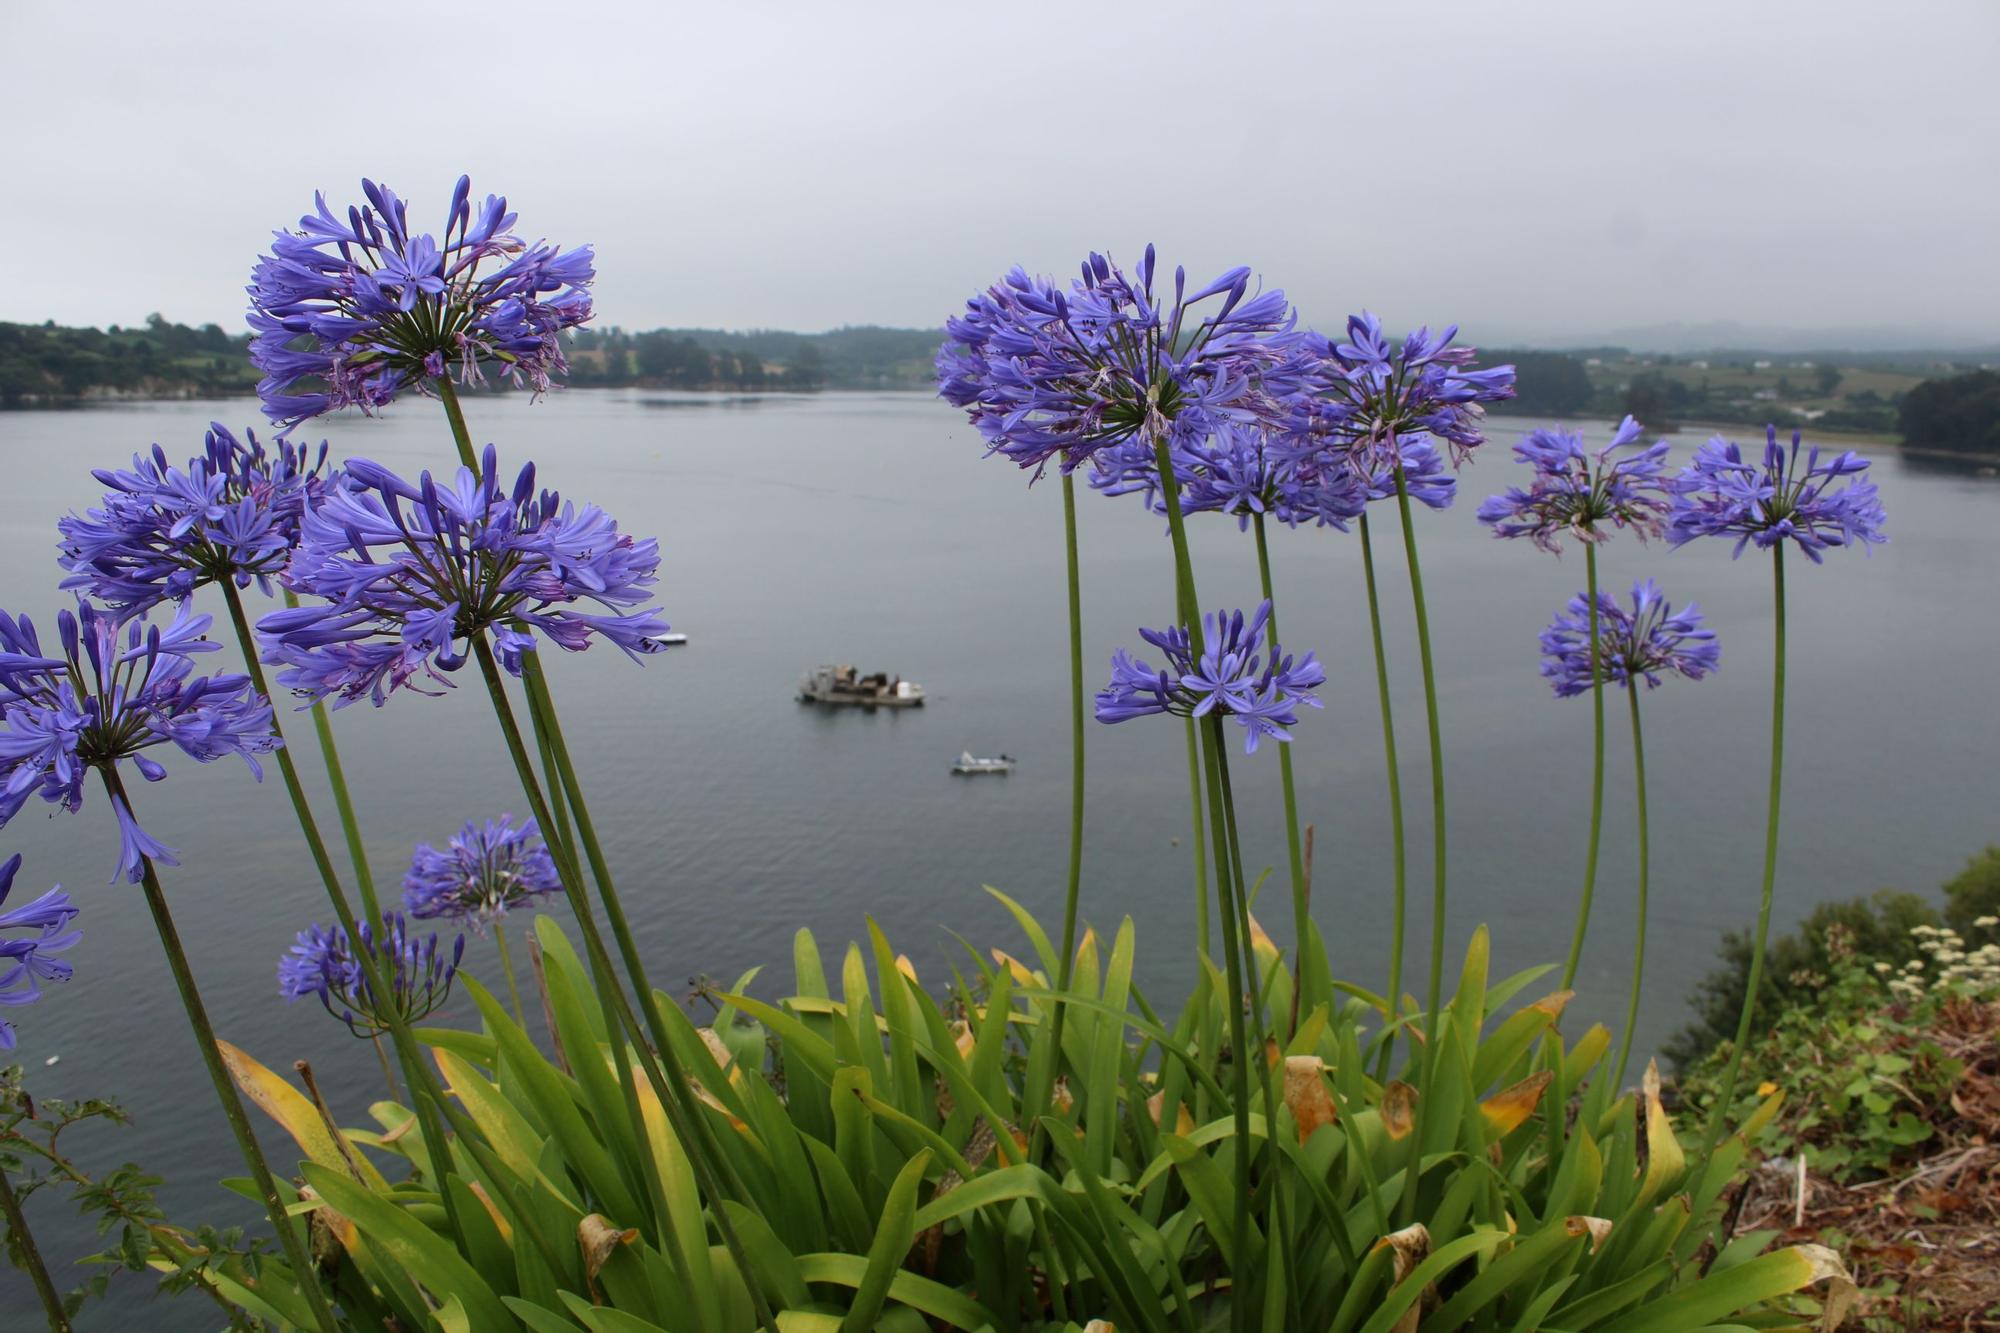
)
(49, 365)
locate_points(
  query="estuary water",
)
(866, 528)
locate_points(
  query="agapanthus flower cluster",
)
(1367, 394)
(1230, 677)
(1246, 470)
(100, 704)
(1721, 495)
(163, 531)
(1649, 642)
(417, 972)
(1045, 373)
(482, 873)
(412, 573)
(348, 312)
(28, 959)
(1586, 494)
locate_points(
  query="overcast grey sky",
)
(1529, 170)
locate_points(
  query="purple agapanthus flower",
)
(1367, 395)
(1586, 494)
(323, 963)
(482, 873)
(1649, 642)
(348, 312)
(28, 959)
(1045, 373)
(1230, 678)
(163, 531)
(99, 704)
(411, 573)
(1720, 495)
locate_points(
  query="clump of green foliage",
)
(1880, 927)
(123, 1203)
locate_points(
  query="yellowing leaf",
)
(1597, 1228)
(906, 967)
(1306, 1095)
(298, 1116)
(1399, 1109)
(1664, 1159)
(962, 1037)
(1183, 1122)
(599, 1240)
(1508, 1109)
(1554, 1003)
(1019, 970)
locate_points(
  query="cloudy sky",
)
(1541, 170)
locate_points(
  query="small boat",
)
(671, 639)
(843, 687)
(970, 764)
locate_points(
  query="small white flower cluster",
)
(1949, 966)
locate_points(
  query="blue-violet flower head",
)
(349, 311)
(162, 531)
(1818, 505)
(1045, 373)
(416, 971)
(1586, 494)
(28, 959)
(1650, 642)
(1228, 677)
(482, 873)
(99, 704)
(411, 573)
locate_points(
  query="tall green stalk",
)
(684, 1112)
(1645, 870)
(1399, 853)
(1720, 1114)
(1230, 893)
(1433, 987)
(1596, 775)
(669, 1080)
(1301, 908)
(350, 824)
(303, 1271)
(1066, 963)
(31, 1256)
(425, 1094)
(1200, 853)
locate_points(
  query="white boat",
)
(971, 764)
(669, 640)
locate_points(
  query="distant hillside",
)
(848, 358)
(47, 365)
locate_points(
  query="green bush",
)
(1973, 893)
(1797, 965)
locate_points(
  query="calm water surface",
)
(867, 529)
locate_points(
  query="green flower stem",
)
(350, 826)
(507, 967)
(31, 1256)
(1398, 853)
(424, 1091)
(1066, 961)
(1433, 986)
(1200, 852)
(1301, 907)
(1645, 870)
(1596, 775)
(1239, 1038)
(460, 435)
(303, 1271)
(559, 827)
(663, 1070)
(1720, 1115)
(1234, 911)
(382, 1058)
